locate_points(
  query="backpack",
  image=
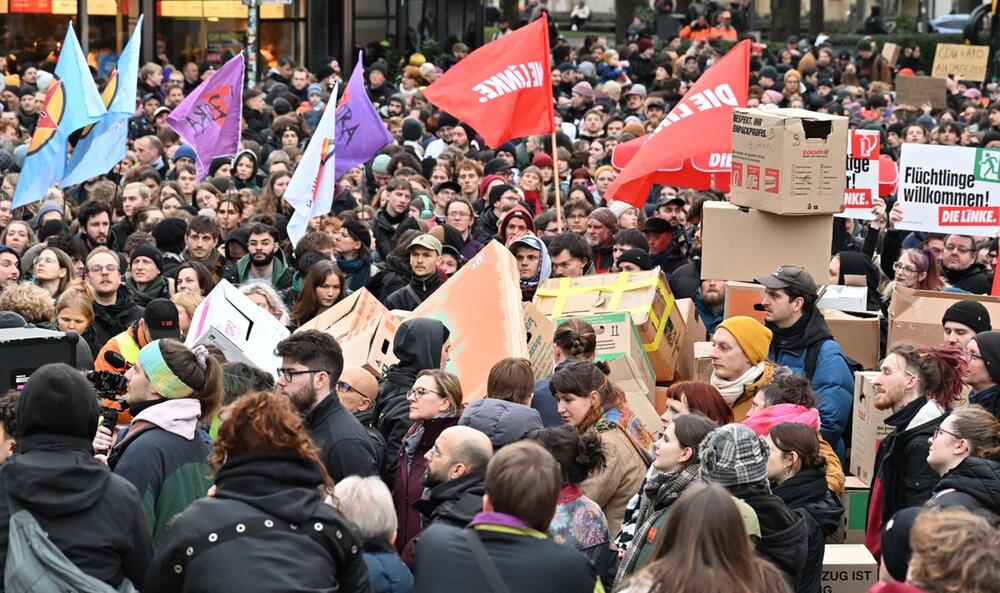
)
(36, 565)
(812, 359)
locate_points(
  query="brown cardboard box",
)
(890, 51)
(789, 161)
(857, 334)
(481, 307)
(869, 427)
(848, 568)
(618, 344)
(743, 244)
(915, 315)
(917, 90)
(855, 501)
(703, 361)
(538, 331)
(364, 329)
(741, 298)
(645, 295)
(971, 61)
(694, 331)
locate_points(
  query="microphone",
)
(116, 360)
(757, 307)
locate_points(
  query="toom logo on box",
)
(858, 198)
(969, 216)
(864, 146)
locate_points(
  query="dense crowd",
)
(220, 477)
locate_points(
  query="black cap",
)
(657, 225)
(637, 257)
(790, 277)
(971, 314)
(452, 185)
(149, 96)
(896, 551)
(495, 165)
(675, 200)
(358, 231)
(148, 251)
(162, 320)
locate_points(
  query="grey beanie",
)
(732, 455)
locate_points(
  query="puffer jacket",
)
(784, 539)
(973, 484)
(807, 493)
(266, 529)
(502, 421)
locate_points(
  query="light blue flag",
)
(72, 101)
(104, 145)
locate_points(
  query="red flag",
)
(503, 89)
(706, 171)
(700, 124)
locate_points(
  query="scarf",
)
(658, 494)
(621, 416)
(732, 390)
(358, 272)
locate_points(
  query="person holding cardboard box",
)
(921, 384)
(803, 342)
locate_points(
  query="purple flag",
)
(360, 131)
(209, 118)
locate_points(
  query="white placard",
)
(949, 189)
(862, 174)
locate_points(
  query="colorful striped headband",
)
(161, 377)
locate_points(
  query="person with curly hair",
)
(954, 551)
(265, 526)
(30, 301)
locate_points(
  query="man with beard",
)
(533, 264)
(311, 363)
(265, 262)
(710, 301)
(95, 223)
(960, 266)
(920, 384)
(601, 228)
(200, 239)
(455, 480)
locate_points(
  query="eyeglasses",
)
(343, 386)
(110, 269)
(418, 392)
(288, 374)
(44, 260)
(962, 250)
(435, 452)
(903, 268)
(939, 430)
(969, 355)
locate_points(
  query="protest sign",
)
(949, 189)
(917, 90)
(862, 174)
(966, 60)
(890, 51)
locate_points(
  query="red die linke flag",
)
(503, 89)
(700, 124)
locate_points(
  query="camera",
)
(111, 387)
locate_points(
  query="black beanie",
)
(148, 251)
(969, 313)
(896, 551)
(497, 191)
(989, 349)
(412, 130)
(58, 400)
(359, 232)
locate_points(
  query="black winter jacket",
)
(415, 292)
(784, 535)
(266, 529)
(111, 320)
(973, 279)
(384, 228)
(973, 484)
(807, 493)
(344, 445)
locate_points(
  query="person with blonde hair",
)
(186, 303)
(75, 308)
(30, 301)
(954, 551)
(965, 452)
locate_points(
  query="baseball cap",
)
(789, 277)
(428, 241)
(452, 185)
(161, 320)
(657, 225)
(677, 201)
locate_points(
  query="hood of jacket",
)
(808, 490)
(176, 416)
(502, 421)
(279, 483)
(418, 342)
(809, 330)
(54, 479)
(784, 535)
(278, 266)
(457, 500)
(121, 308)
(976, 477)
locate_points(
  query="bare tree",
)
(624, 13)
(785, 15)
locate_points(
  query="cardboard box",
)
(703, 361)
(741, 298)
(857, 334)
(694, 331)
(914, 91)
(619, 345)
(228, 318)
(869, 427)
(855, 501)
(645, 295)
(844, 298)
(890, 51)
(363, 327)
(481, 307)
(848, 568)
(538, 331)
(743, 244)
(643, 408)
(915, 315)
(789, 161)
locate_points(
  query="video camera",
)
(110, 387)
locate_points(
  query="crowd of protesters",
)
(331, 479)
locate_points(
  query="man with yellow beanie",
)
(740, 366)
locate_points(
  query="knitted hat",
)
(57, 400)
(497, 191)
(761, 421)
(602, 169)
(989, 349)
(896, 550)
(774, 95)
(149, 251)
(358, 231)
(769, 72)
(542, 160)
(185, 151)
(732, 455)
(483, 184)
(634, 128)
(584, 89)
(314, 89)
(169, 233)
(381, 163)
(644, 44)
(412, 130)
(638, 257)
(606, 217)
(754, 339)
(46, 207)
(161, 376)
(51, 228)
(495, 165)
(619, 207)
(969, 313)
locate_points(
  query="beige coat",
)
(620, 480)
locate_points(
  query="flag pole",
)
(555, 175)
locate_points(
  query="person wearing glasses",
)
(114, 308)
(983, 371)
(357, 390)
(921, 384)
(311, 364)
(960, 267)
(965, 452)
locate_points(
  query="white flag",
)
(310, 192)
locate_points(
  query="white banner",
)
(862, 174)
(949, 189)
